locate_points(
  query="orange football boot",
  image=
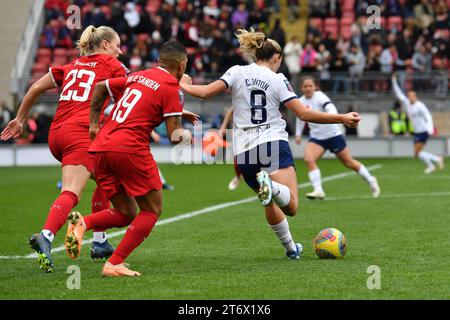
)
(74, 235)
(120, 270)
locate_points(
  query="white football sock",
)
(282, 232)
(431, 156)
(280, 194)
(316, 179)
(425, 158)
(99, 237)
(48, 235)
(365, 174)
(163, 180)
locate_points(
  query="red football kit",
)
(123, 162)
(69, 132)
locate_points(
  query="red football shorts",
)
(69, 145)
(127, 173)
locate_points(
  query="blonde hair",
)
(92, 37)
(256, 44)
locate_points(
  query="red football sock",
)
(106, 219)
(59, 211)
(99, 203)
(139, 229)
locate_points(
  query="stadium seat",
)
(331, 25)
(383, 22)
(346, 20)
(72, 54)
(60, 60)
(44, 59)
(348, 14)
(345, 30)
(59, 52)
(39, 67)
(348, 5)
(318, 23)
(395, 22)
(153, 6)
(44, 52)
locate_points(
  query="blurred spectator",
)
(342, 44)
(421, 59)
(318, 8)
(6, 116)
(131, 15)
(239, 18)
(292, 52)
(424, 14)
(278, 34)
(441, 77)
(339, 66)
(441, 12)
(323, 65)
(334, 8)
(330, 43)
(308, 58)
(356, 61)
(293, 10)
(393, 8)
(398, 120)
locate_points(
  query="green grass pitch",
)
(230, 253)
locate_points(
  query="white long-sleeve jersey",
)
(257, 93)
(319, 102)
(418, 113)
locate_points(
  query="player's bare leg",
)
(283, 185)
(150, 209)
(346, 159)
(313, 152)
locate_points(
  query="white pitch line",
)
(391, 196)
(195, 213)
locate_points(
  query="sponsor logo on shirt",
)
(288, 85)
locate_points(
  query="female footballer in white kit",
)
(422, 123)
(260, 142)
(325, 137)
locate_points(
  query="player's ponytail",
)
(256, 44)
(92, 37)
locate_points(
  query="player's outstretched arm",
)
(15, 127)
(398, 92)
(98, 99)
(202, 91)
(175, 131)
(350, 119)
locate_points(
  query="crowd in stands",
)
(345, 41)
(351, 37)
(205, 27)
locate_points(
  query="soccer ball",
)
(330, 243)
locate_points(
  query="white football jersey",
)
(418, 113)
(257, 93)
(319, 102)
